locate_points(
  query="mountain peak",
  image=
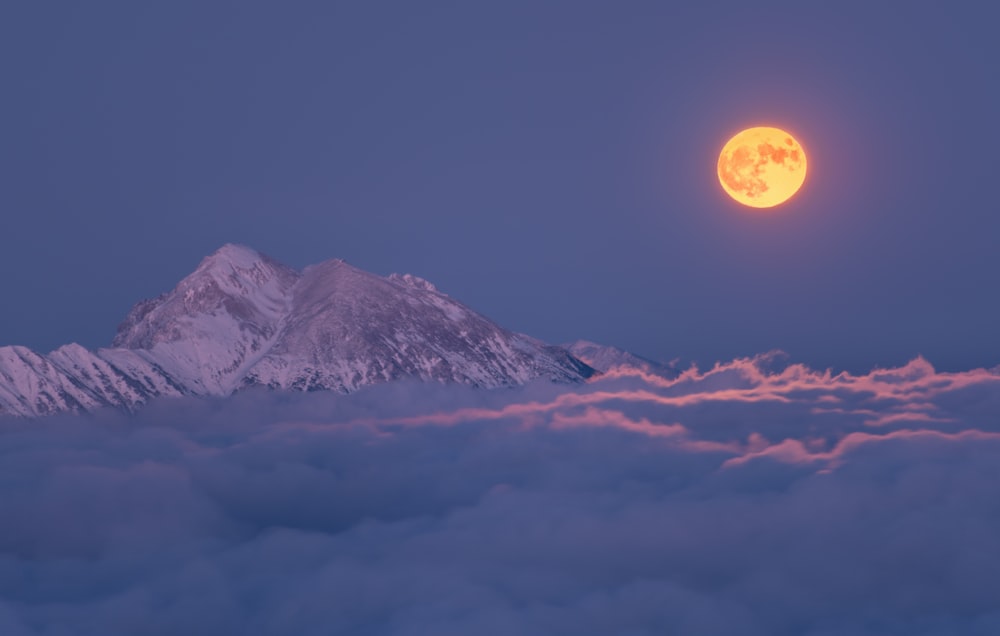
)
(235, 253)
(239, 266)
(216, 321)
(243, 319)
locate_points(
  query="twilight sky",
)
(551, 164)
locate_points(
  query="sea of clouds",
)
(756, 498)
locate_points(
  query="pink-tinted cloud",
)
(732, 500)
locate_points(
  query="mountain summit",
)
(216, 323)
(242, 319)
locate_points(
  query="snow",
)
(242, 319)
(604, 358)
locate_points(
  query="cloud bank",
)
(753, 498)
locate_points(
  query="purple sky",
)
(551, 164)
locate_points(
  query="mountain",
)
(604, 358)
(74, 379)
(242, 319)
(216, 323)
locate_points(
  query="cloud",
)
(750, 498)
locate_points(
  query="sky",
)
(550, 164)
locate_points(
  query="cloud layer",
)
(754, 498)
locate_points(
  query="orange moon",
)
(762, 167)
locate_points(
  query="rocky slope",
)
(604, 358)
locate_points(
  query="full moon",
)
(762, 167)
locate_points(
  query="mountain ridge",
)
(242, 319)
(604, 358)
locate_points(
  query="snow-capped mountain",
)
(604, 358)
(217, 323)
(242, 319)
(74, 379)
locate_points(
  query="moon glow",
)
(762, 167)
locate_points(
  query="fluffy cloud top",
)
(748, 499)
